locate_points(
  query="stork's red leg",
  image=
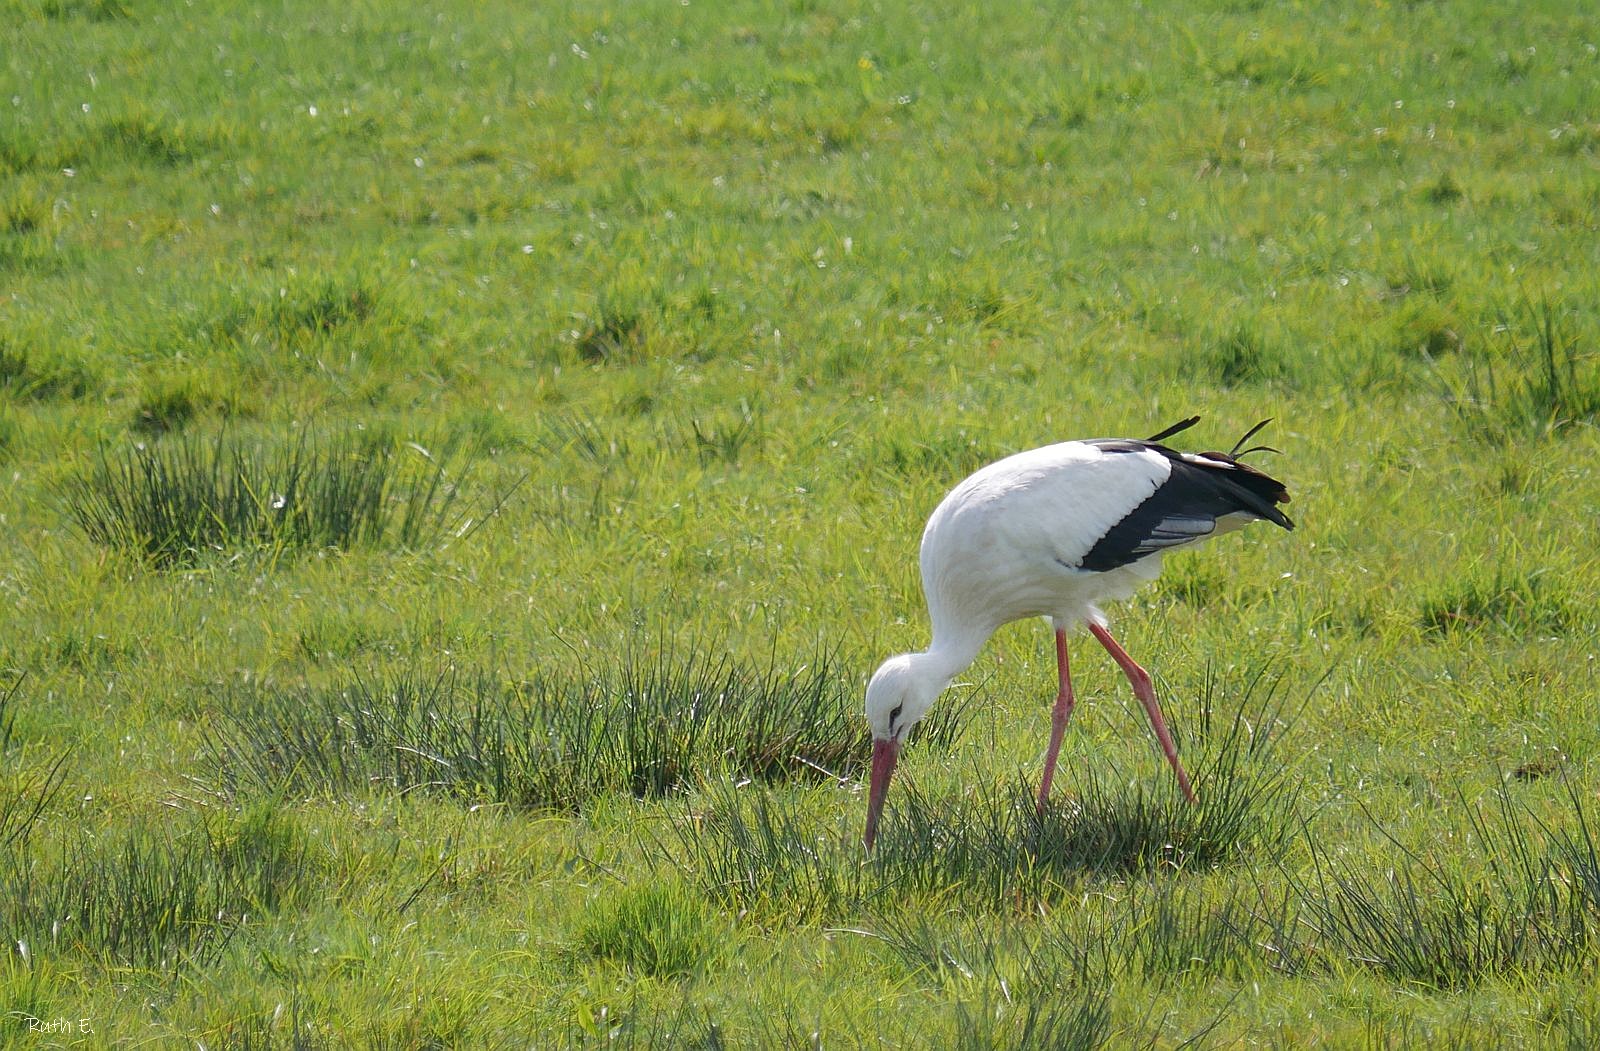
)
(1058, 717)
(1146, 692)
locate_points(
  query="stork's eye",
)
(894, 715)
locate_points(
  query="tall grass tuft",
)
(649, 725)
(1577, 852)
(88, 10)
(299, 314)
(8, 713)
(1036, 1018)
(1434, 922)
(616, 333)
(1141, 930)
(150, 898)
(590, 439)
(170, 501)
(1539, 389)
(751, 849)
(46, 369)
(725, 440)
(25, 796)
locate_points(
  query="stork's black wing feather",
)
(1185, 507)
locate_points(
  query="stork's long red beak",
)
(884, 756)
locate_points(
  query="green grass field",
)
(460, 463)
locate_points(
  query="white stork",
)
(1054, 532)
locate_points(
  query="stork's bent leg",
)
(1058, 717)
(1146, 692)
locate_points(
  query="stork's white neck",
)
(955, 646)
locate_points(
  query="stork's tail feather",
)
(1256, 490)
(1178, 428)
(1235, 455)
(1266, 490)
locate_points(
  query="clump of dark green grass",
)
(726, 440)
(1534, 389)
(87, 10)
(170, 501)
(38, 371)
(1444, 190)
(1432, 921)
(320, 315)
(660, 929)
(152, 137)
(171, 401)
(1423, 328)
(329, 302)
(13, 365)
(150, 898)
(998, 847)
(21, 216)
(136, 135)
(1244, 356)
(616, 333)
(649, 725)
(635, 319)
(1502, 598)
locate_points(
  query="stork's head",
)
(900, 693)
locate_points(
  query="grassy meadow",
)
(459, 464)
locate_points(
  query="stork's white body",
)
(1005, 543)
(1054, 532)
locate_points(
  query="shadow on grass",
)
(752, 849)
